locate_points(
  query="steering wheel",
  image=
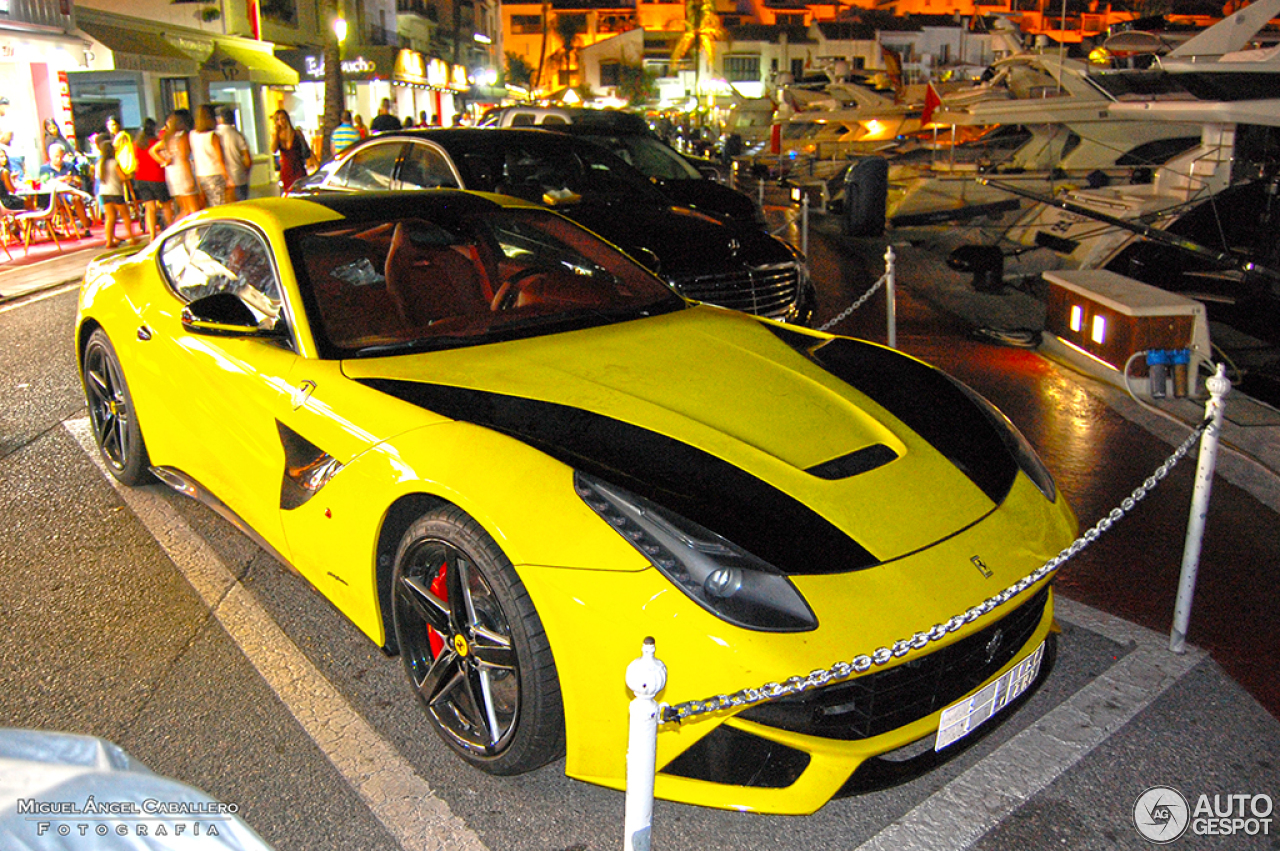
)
(505, 297)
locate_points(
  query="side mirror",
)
(646, 257)
(225, 315)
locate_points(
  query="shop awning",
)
(239, 63)
(134, 50)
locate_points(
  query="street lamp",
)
(340, 28)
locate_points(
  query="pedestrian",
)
(384, 120)
(364, 131)
(52, 134)
(6, 128)
(344, 135)
(148, 180)
(422, 118)
(173, 151)
(111, 191)
(206, 155)
(235, 153)
(9, 196)
(61, 172)
(293, 150)
(126, 158)
(407, 123)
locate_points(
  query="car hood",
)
(686, 242)
(710, 197)
(735, 423)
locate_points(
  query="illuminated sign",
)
(358, 67)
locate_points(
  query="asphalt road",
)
(143, 618)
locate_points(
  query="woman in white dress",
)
(206, 153)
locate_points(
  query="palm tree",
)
(542, 55)
(568, 28)
(334, 86)
(702, 29)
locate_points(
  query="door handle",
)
(144, 333)
(302, 393)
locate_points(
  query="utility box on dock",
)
(1097, 320)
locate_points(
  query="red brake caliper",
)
(440, 588)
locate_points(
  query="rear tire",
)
(473, 646)
(111, 413)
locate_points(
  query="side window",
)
(369, 168)
(554, 119)
(522, 119)
(223, 257)
(424, 167)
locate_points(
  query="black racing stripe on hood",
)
(924, 399)
(707, 490)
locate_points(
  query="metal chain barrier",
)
(848, 311)
(882, 655)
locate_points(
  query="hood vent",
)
(855, 463)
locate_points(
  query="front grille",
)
(763, 290)
(886, 700)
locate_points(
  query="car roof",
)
(477, 137)
(613, 119)
(434, 204)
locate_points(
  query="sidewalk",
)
(47, 267)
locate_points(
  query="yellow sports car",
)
(509, 453)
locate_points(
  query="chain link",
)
(848, 311)
(883, 655)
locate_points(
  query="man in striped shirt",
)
(344, 135)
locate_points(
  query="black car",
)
(686, 181)
(706, 257)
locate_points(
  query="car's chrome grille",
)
(886, 700)
(763, 290)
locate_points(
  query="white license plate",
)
(960, 719)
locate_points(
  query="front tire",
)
(473, 646)
(111, 412)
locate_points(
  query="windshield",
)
(376, 288)
(549, 173)
(649, 157)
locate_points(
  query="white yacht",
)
(1213, 203)
(1055, 131)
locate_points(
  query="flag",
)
(931, 102)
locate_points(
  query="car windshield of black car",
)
(404, 284)
(532, 171)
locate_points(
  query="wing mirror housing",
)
(226, 315)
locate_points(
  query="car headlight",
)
(715, 573)
(1023, 453)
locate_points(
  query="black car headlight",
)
(1023, 453)
(717, 574)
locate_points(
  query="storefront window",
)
(240, 97)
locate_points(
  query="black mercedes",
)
(706, 257)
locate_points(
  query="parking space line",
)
(960, 813)
(394, 792)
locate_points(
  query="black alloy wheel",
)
(111, 412)
(474, 648)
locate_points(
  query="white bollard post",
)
(1219, 386)
(646, 677)
(804, 225)
(760, 194)
(890, 295)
